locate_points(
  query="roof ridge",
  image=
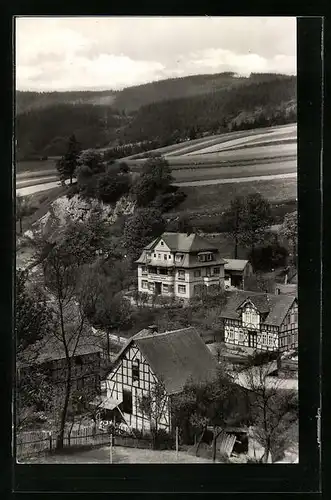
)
(157, 334)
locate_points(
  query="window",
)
(144, 284)
(151, 286)
(264, 339)
(143, 270)
(197, 274)
(216, 270)
(250, 317)
(169, 256)
(135, 370)
(204, 257)
(171, 289)
(282, 341)
(164, 257)
(162, 243)
(165, 287)
(127, 401)
(179, 257)
(208, 271)
(231, 334)
(181, 274)
(181, 289)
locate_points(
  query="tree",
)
(111, 187)
(34, 394)
(23, 209)
(32, 317)
(185, 224)
(154, 179)
(273, 410)
(154, 406)
(289, 230)
(92, 160)
(215, 403)
(256, 219)
(67, 165)
(233, 221)
(140, 228)
(68, 277)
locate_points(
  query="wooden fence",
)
(34, 442)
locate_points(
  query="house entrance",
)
(157, 288)
(252, 339)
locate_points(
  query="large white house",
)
(173, 358)
(180, 265)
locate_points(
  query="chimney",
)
(152, 329)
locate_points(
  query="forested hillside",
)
(257, 104)
(167, 111)
(45, 132)
(28, 101)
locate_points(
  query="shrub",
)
(169, 200)
(164, 440)
(111, 187)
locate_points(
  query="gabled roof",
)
(51, 348)
(183, 242)
(175, 357)
(235, 264)
(275, 306)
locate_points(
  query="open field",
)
(272, 135)
(195, 145)
(40, 166)
(217, 197)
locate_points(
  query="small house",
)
(235, 272)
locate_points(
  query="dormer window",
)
(205, 257)
(179, 257)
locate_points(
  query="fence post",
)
(176, 442)
(111, 447)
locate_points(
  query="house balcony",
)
(161, 277)
(211, 280)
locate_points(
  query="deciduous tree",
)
(154, 406)
(140, 228)
(289, 230)
(273, 409)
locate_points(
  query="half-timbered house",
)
(261, 321)
(170, 359)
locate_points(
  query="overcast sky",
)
(80, 53)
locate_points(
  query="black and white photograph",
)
(156, 286)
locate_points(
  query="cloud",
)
(111, 53)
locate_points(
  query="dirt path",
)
(120, 455)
